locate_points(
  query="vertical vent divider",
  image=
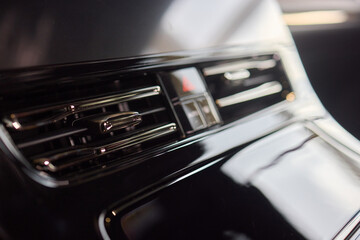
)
(176, 118)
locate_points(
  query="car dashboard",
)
(166, 120)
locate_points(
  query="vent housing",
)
(69, 126)
(244, 86)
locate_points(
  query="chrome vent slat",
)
(156, 110)
(263, 90)
(65, 110)
(51, 136)
(84, 154)
(239, 65)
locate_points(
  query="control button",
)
(187, 82)
(194, 115)
(208, 113)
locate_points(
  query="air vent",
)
(244, 86)
(71, 126)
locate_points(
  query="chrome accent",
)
(64, 110)
(86, 153)
(237, 75)
(263, 90)
(349, 229)
(105, 123)
(236, 66)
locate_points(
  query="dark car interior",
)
(179, 119)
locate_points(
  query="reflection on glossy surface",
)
(339, 136)
(49, 32)
(315, 18)
(313, 187)
(257, 127)
(251, 157)
(232, 22)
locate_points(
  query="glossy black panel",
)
(206, 206)
(289, 185)
(49, 32)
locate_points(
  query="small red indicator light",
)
(187, 86)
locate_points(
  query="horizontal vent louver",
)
(86, 126)
(244, 86)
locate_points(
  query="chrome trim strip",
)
(152, 111)
(237, 66)
(349, 228)
(263, 90)
(64, 110)
(86, 153)
(107, 122)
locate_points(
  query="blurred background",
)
(327, 35)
